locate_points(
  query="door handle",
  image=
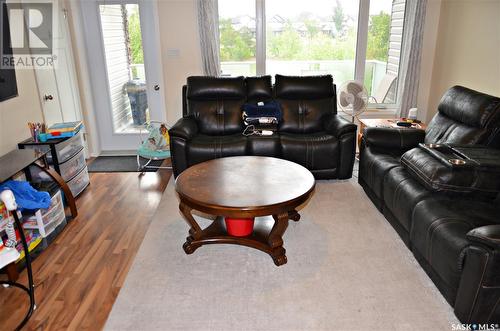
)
(48, 97)
(156, 87)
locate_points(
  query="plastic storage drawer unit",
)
(72, 166)
(66, 149)
(46, 220)
(80, 182)
(66, 157)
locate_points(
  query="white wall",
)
(15, 113)
(468, 49)
(429, 42)
(178, 32)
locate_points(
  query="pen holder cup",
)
(42, 137)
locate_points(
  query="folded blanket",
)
(269, 109)
(26, 196)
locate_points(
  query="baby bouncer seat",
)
(155, 147)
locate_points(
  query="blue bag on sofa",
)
(269, 109)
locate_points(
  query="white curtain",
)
(208, 25)
(409, 72)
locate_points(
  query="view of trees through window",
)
(136, 53)
(135, 38)
(237, 28)
(236, 45)
(309, 35)
(305, 37)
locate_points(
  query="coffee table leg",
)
(294, 215)
(275, 239)
(194, 229)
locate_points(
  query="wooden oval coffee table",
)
(244, 187)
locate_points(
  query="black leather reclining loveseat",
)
(453, 233)
(311, 133)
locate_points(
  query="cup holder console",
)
(457, 161)
(455, 169)
(448, 155)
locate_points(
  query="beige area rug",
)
(347, 270)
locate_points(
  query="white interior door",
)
(123, 52)
(58, 87)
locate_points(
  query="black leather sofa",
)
(311, 133)
(455, 236)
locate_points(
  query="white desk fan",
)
(353, 98)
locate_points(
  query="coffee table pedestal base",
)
(267, 235)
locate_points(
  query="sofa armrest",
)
(338, 126)
(345, 132)
(393, 138)
(488, 235)
(185, 128)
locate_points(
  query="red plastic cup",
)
(239, 227)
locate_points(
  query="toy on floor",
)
(8, 251)
(155, 147)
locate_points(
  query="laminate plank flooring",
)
(78, 277)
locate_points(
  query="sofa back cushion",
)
(305, 101)
(466, 117)
(259, 89)
(216, 103)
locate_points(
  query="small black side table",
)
(11, 164)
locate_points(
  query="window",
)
(385, 32)
(315, 37)
(237, 28)
(304, 38)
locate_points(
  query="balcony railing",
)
(137, 71)
(341, 70)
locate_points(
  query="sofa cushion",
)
(264, 145)
(306, 102)
(373, 166)
(443, 129)
(439, 231)
(259, 89)
(470, 107)
(401, 193)
(304, 87)
(203, 88)
(314, 151)
(215, 104)
(203, 148)
(465, 116)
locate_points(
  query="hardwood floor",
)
(79, 275)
